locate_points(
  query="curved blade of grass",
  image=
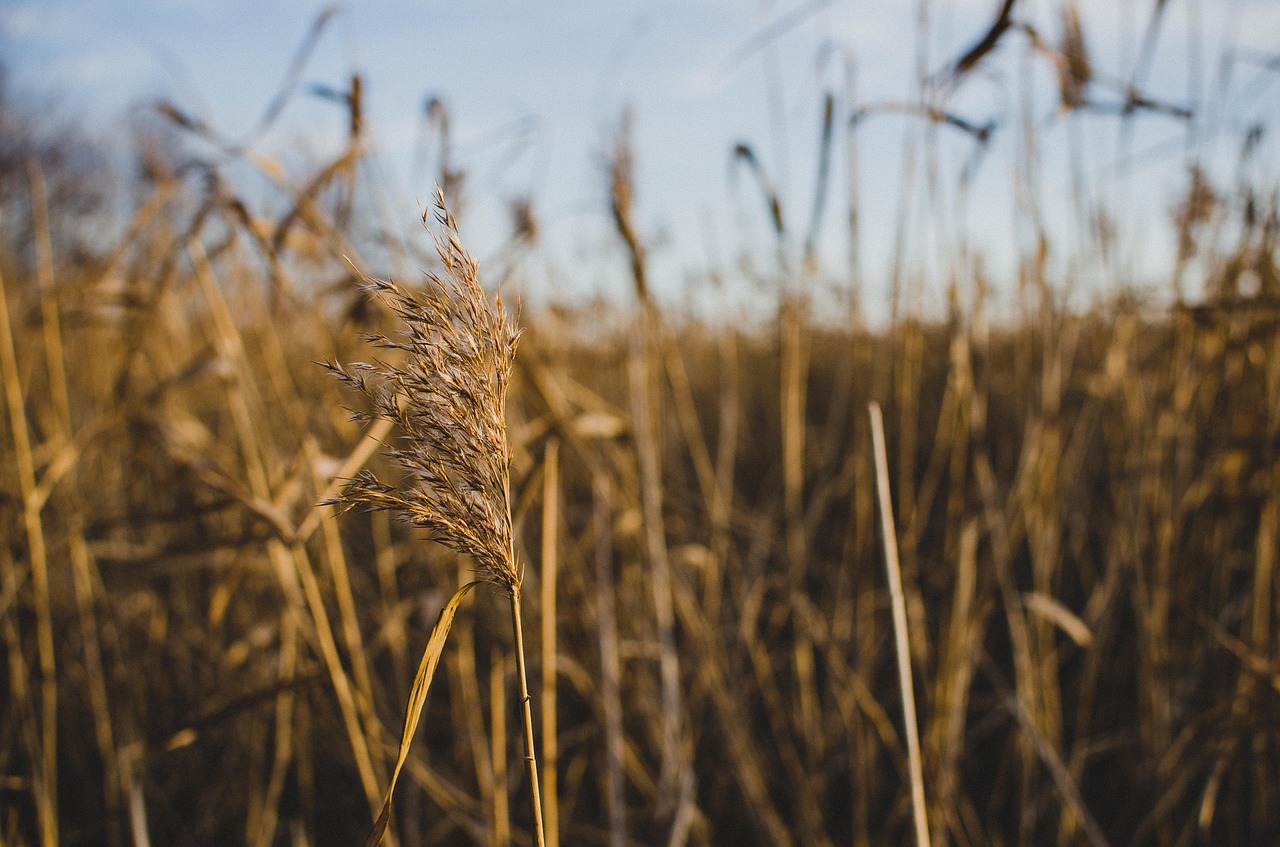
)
(417, 698)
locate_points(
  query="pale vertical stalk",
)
(46, 788)
(610, 666)
(550, 741)
(501, 835)
(130, 757)
(899, 608)
(530, 756)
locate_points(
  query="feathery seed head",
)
(445, 387)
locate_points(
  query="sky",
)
(535, 92)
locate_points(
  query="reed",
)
(447, 395)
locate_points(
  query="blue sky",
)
(535, 90)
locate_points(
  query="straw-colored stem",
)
(899, 607)
(526, 715)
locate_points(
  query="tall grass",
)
(1087, 508)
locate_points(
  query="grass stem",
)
(899, 607)
(526, 715)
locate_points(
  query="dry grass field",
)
(197, 649)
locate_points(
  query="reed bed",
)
(1087, 515)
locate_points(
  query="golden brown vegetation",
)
(195, 652)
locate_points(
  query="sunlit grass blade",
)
(417, 698)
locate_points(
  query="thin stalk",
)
(899, 607)
(130, 759)
(526, 715)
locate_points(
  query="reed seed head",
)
(444, 384)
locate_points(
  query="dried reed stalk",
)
(900, 628)
(447, 394)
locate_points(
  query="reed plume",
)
(445, 388)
